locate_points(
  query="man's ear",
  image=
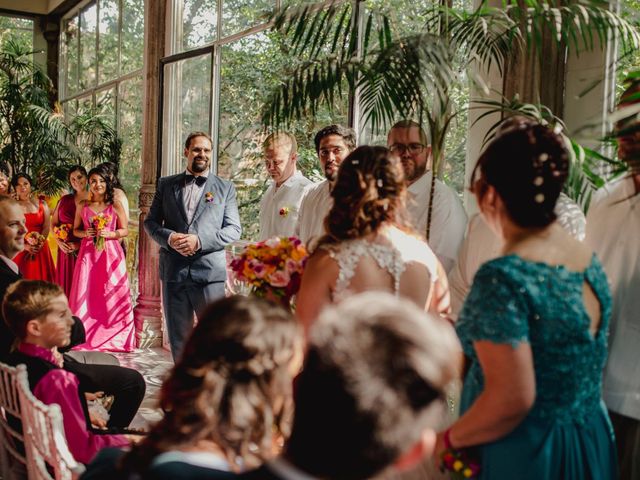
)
(33, 328)
(421, 449)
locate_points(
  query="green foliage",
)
(34, 137)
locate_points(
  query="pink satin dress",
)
(100, 293)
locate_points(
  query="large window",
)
(248, 61)
(17, 30)
(101, 71)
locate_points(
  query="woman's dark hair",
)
(527, 165)
(76, 168)
(102, 172)
(232, 385)
(112, 169)
(369, 191)
(18, 176)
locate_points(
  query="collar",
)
(11, 264)
(204, 174)
(294, 177)
(38, 351)
(287, 471)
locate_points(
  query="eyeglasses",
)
(401, 148)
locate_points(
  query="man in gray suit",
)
(193, 216)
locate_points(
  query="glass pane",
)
(106, 104)
(130, 131)
(239, 15)
(88, 21)
(132, 35)
(250, 69)
(18, 30)
(187, 107)
(70, 39)
(70, 109)
(85, 104)
(108, 40)
(199, 23)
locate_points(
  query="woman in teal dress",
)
(534, 328)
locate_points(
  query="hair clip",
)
(379, 183)
(543, 157)
(539, 198)
(538, 181)
(355, 161)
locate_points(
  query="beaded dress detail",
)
(567, 433)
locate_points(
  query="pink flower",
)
(258, 268)
(273, 242)
(279, 278)
(292, 266)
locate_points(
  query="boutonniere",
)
(284, 211)
(208, 197)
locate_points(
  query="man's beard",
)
(331, 173)
(197, 168)
(412, 171)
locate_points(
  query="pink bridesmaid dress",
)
(66, 261)
(100, 293)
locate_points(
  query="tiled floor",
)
(154, 365)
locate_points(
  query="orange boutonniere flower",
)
(208, 197)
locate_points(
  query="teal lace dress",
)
(567, 434)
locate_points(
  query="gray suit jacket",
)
(216, 223)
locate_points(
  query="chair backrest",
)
(13, 462)
(47, 453)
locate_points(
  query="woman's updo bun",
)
(528, 165)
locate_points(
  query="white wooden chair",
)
(13, 463)
(47, 453)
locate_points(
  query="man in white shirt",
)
(333, 144)
(613, 223)
(408, 140)
(280, 203)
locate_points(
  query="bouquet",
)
(63, 232)
(99, 222)
(273, 267)
(35, 239)
(459, 465)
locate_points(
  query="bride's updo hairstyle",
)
(369, 191)
(527, 164)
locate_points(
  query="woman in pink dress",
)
(65, 214)
(35, 261)
(100, 293)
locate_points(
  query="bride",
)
(369, 245)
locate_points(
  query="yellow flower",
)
(457, 465)
(467, 472)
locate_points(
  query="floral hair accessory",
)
(284, 211)
(208, 197)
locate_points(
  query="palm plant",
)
(411, 76)
(34, 137)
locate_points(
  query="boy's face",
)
(55, 328)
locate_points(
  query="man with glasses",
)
(408, 141)
(194, 215)
(333, 144)
(280, 203)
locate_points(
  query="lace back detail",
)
(348, 254)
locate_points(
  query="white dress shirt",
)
(11, 264)
(613, 223)
(279, 207)
(315, 206)
(191, 194)
(448, 218)
(481, 245)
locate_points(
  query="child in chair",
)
(38, 314)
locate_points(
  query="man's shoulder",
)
(315, 189)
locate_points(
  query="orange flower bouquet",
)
(273, 268)
(35, 239)
(99, 222)
(63, 232)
